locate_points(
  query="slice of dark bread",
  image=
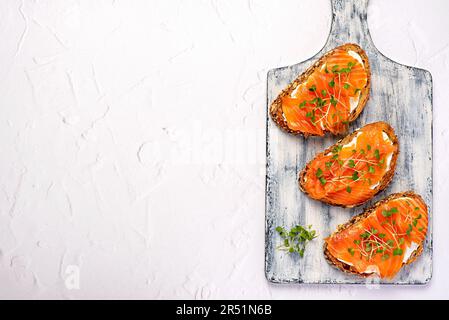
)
(386, 179)
(350, 269)
(276, 107)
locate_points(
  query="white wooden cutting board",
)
(401, 96)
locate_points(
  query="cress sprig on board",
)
(295, 240)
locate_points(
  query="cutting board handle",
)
(349, 22)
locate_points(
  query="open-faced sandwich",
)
(354, 169)
(382, 239)
(327, 96)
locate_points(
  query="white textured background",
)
(132, 142)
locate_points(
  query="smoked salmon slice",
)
(382, 239)
(327, 96)
(354, 169)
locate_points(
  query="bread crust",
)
(350, 269)
(383, 183)
(276, 106)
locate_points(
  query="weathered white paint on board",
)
(401, 96)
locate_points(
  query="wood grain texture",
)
(401, 96)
